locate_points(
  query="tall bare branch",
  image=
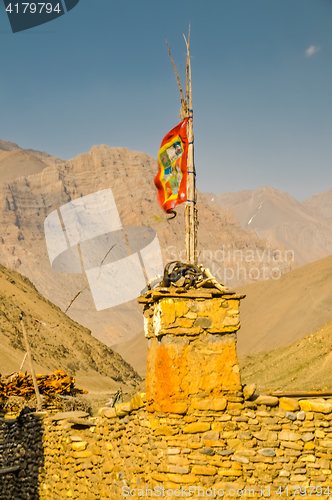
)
(177, 75)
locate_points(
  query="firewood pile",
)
(21, 385)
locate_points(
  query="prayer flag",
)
(171, 180)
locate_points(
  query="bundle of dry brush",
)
(21, 385)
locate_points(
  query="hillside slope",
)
(276, 313)
(57, 342)
(303, 366)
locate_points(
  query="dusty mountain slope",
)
(282, 220)
(16, 162)
(135, 352)
(305, 365)
(276, 313)
(25, 164)
(321, 203)
(60, 343)
(27, 201)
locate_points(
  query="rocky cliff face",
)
(303, 227)
(224, 246)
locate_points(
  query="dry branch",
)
(184, 110)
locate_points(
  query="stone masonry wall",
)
(247, 445)
(196, 427)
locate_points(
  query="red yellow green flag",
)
(171, 180)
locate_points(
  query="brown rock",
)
(164, 430)
(249, 390)
(289, 436)
(265, 400)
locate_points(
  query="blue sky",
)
(262, 80)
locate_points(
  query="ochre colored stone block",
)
(289, 404)
(137, 402)
(204, 470)
(169, 407)
(196, 427)
(185, 359)
(315, 407)
(187, 479)
(184, 323)
(230, 472)
(215, 404)
(165, 431)
(81, 454)
(79, 446)
(309, 446)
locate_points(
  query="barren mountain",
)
(303, 228)
(26, 202)
(57, 342)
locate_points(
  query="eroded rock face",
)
(26, 201)
(192, 353)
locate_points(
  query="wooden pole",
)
(191, 209)
(39, 402)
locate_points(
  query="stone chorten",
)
(192, 360)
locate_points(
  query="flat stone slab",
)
(9, 470)
(85, 422)
(69, 414)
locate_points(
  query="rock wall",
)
(248, 445)
(197, 432)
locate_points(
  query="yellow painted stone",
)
(204, 470)
(183, 323)
(230, 472)
(81, 454)
(305, 405)
(315, 407)
(218, 426)
(196, 427)
(137, 402)
(164, 430)
(213, 404)
(181, 308)
(309, 446)
(79, 446)
(187, 478)
(289, 404)
(179, 408)
(166, 311)
(176, 370)
(191, 315)
(157, 476)
(214, 444)
(308, 458)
